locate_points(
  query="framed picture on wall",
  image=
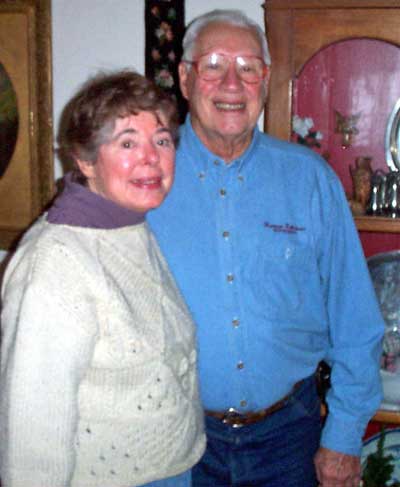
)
(26, 140)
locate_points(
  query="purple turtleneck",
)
(80, 207)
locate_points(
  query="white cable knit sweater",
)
(98, 384)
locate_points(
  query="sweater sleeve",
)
(49, 327)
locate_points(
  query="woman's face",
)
(135, 169)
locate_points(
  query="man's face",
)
(227, 108)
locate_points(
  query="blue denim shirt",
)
(267, 256)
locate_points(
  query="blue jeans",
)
(181, 480)
(275, 452)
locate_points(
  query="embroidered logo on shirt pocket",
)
(286, 228)
(276, 278)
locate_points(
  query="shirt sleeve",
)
(49, 329)
(355, 323)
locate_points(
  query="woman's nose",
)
(150, 154)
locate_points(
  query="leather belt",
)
(234, 418)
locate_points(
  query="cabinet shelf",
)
(377, 224)
(381, 416)
(385, 416)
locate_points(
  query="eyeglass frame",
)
(196, 62)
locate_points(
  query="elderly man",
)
(259, 236)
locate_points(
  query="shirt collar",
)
(207, 158)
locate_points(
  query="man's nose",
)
(231, 77)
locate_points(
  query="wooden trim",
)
(377, 224)
(308, 31)
(326, 4)
(27, 184)
(381, 416)
(280, 104)
(389, 417)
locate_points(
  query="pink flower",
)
(164, 79)
(155, 54)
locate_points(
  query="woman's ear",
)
(86, 168)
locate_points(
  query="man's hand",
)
(336, 469)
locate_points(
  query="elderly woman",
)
(98, 382)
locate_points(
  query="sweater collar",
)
(80, 207)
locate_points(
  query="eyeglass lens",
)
(215, 66)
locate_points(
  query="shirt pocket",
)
(277, 279)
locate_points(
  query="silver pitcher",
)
(377, 200)
(392, 197)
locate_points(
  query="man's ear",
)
(267, 78)
(183, 79)
(265, 84)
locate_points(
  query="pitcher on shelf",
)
(362, 176)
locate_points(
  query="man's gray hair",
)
(225, 16)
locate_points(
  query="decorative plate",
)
(384, 269)
(391, 446)
(392, 139)
(385, 273)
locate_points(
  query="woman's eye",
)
(127, 144)
(166, 142)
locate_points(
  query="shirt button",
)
(202, 175)
(243, 403)
(240, 365)
(222, 192)
(230, 277)
(225, 234)
(288, 252)
(216, 162)
(241, 179)
(235, 323)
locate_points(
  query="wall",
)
(108, 34)
(347, 77)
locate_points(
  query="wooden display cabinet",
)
(298, 29)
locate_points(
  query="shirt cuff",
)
(342, 436)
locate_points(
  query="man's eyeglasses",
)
(214, 66)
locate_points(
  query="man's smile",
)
(229, 106)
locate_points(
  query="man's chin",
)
(234, 132)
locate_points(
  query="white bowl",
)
(391, 388)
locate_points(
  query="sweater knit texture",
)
(98, 362)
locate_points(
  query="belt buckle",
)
(230, 416)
